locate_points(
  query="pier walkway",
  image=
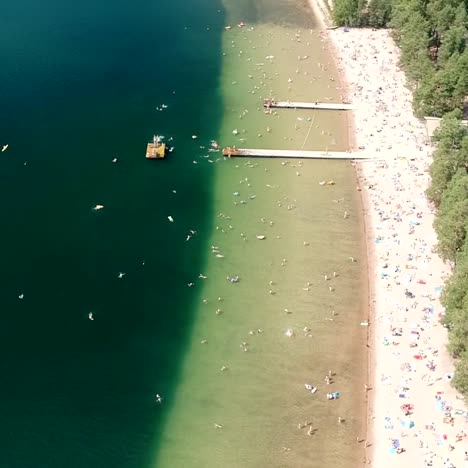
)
(272, 153)
(270, 103)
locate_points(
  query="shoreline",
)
(408, 361)
(325, 22)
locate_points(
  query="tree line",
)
(449, 193)
(432, 36)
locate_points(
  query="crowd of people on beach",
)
(414, 412)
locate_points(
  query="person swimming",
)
(310, 388)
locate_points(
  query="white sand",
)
(400, 241)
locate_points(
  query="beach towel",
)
(388, 423)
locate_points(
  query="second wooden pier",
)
(274, 153)
(272, 103)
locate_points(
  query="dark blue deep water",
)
(79, 85)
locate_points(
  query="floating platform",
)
(298, 154)
(155, 149)
(270, 103)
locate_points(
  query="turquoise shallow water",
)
(295, 312)
(80, 82)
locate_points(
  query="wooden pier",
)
(273, 153)
(155, 149)
(272, 103)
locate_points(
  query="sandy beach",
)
(415, 417)
(413, 406)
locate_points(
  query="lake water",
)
(81, 85)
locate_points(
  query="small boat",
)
(156, 149)
(4, 148)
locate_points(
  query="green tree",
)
(455, 300)
(345, 12)
(451, 222)
(441, 14)
(444, 86)
(402, 12)
(418, 67)
(450, 156)
(451, 133)
(460, 380)
(461, 15)
(461, 86)
(413, 39)
(379, 13)
(453, 41)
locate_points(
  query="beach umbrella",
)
(407, 423)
